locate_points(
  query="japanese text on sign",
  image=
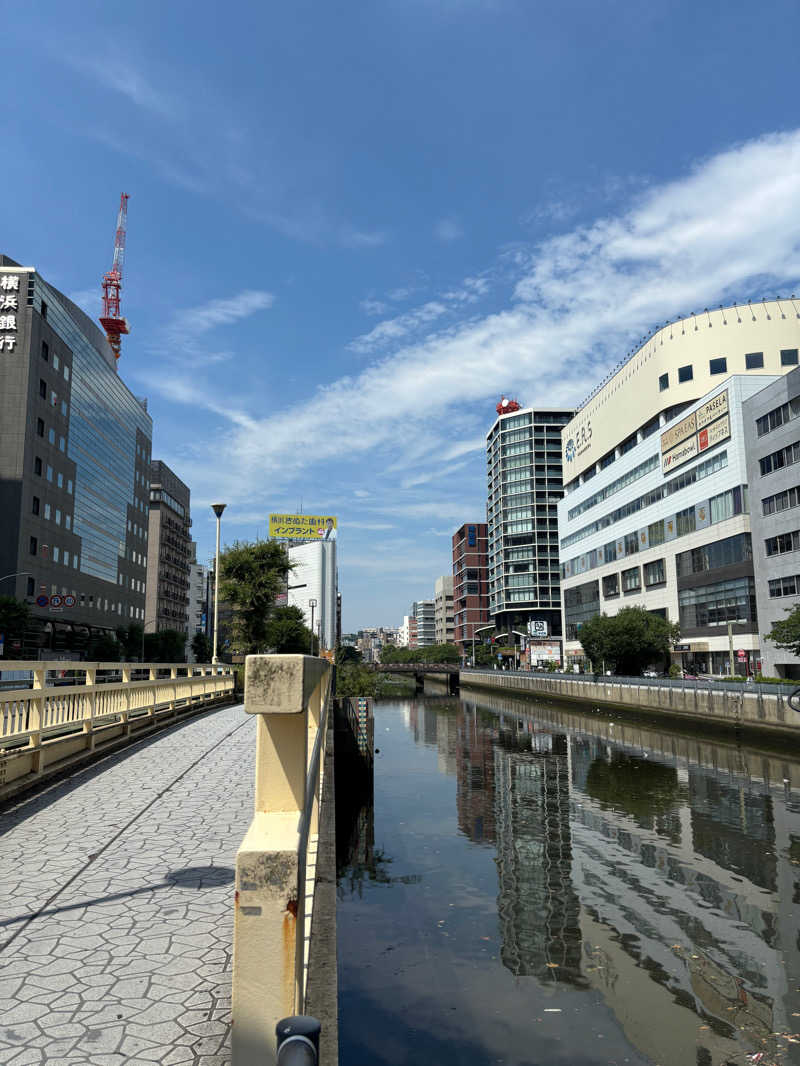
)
(303, 526)
(9, 302)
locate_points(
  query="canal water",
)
(540, 885)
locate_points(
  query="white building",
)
(655, 512)
(198, 604)
(408, 632)
(424, 612)
(315, 578)
(444, 622)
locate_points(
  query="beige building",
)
(443, 619)
(656, 510)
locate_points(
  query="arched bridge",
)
(450, 671)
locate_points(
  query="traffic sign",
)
(42, 601)
(69, 601)
(56, 602)
(741, 654)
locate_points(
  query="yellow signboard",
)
(303, 526)
(672, 437)
(713, 410)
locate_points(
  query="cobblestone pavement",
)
(116, 921)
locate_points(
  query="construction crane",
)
(111, 320)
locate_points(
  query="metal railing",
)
(276, 863)
(57, 710)
(704, 683)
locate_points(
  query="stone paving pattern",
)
(116, 923)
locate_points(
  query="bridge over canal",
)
(447, 672)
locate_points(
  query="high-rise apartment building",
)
(408, 632)
(657, 509)
(523, 452)
(168, 565)
(425, 614)
(443, 610)
(74, 472)
(470, 583)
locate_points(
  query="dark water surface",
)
(536, 885)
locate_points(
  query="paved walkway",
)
(116, 903)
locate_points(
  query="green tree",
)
(165, 646)
(786, 632)
(286, 633)
(201, 648)
(104, 649)
(346, 653)
(130, 640)
(251, 576)
(628, 641)
(14, 617)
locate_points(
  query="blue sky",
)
(352, 227)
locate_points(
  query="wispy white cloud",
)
(447, 230)
(374, 307)
(120, 76)
(579, 302)
(393, 329)
(220, 312)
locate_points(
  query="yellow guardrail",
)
(61, 712)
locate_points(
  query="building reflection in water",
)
(617, 862)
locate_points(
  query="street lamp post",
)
(312, 603)
(19, 573)
(474, 631)
(217, 508)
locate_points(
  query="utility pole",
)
(730, 646)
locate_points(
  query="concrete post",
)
(88, 725)
(37, 720)
(285, 692)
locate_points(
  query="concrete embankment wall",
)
(731, 709)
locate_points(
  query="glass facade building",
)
(74, 471)
(524, 470)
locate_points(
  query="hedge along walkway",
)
(116, 922)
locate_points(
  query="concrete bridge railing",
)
(55, 714)
(276, 863)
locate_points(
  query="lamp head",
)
(218, 508)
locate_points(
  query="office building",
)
(470, 584)
(74, 472)
(655, 512)
(315, 578)
(424, 612)
(443, 628)
(523, 453)
(198, 597)
(168, 564)
(772, 441)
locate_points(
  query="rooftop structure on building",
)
(74, 472)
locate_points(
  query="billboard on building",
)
(303, 526)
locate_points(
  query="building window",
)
(51, 435)
(44, 309)
(788, 357)
(31, 586)
(754, 361)
(43, 388)
(58, 517)
(715, 605)
(66, 557)
(711, 556)
(783, 543)
(45, 351)
(39, 427)
(610, 586)
(56, 362)
(631, 580)
(62, 444)
(66, 372)
(686, 522)
(778, 416)
(33, 546)
(60, 480)
(784, 586)
(781, 501)
(685, 373)
(663, 383)
(35, 507)
(777, 460)
(56, 557)
(718, 366)
(631, 543)
(49, 474)
(47, 510)
(655, 533)
(64, 408)
(655, 573)
(37, 466)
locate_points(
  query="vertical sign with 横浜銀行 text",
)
(9, 309)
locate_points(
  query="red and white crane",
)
(111, 320)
